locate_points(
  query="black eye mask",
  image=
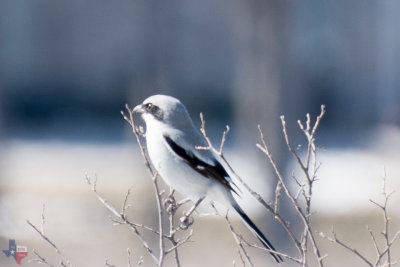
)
(154, 110)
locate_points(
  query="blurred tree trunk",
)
(258, 37)
(389, 64)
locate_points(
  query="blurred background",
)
(68, 68)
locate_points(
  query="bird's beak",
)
(138, 109)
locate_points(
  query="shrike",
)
(171, 139)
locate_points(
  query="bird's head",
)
(164, 109)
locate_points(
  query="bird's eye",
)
(148, 106)
(154, 110)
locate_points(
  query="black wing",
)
(215, 171)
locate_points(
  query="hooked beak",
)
(138, 109)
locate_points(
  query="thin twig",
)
(238, 240)
(122, 217)
(380, 252)
(180, 242)
(128, 251)
(376, 246)
(42, 234)
(160, 225)
(264, 148)
(137, 132)
(40, 259)
(335, 240)
(310, 175)
(256, 195)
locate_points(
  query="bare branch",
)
(128, 251)
(257, 196)
(42, 234)
(121, 216)
(277, 196)
(180, 242)
(305, 190)
(376, 246)
(224, 134)
(160, 216)
(40, 259)
(137, 131)
(381, 253)
(291, 149)
(335, 240)
(239, 242)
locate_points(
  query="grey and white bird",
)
(171, 139)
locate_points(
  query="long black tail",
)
(257, 232)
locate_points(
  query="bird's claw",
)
(186, 222)
(170, 205)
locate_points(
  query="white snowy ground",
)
(350, 177)
(33, 173)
